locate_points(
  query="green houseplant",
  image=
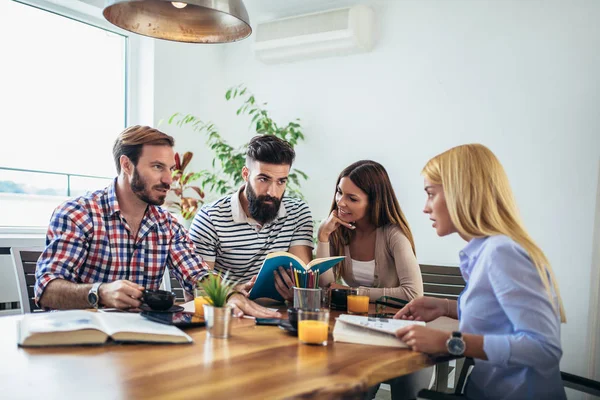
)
(216, 314)
(227, 163)
(181, 188)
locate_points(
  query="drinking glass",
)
(358, 301)
(307, 299)
(200, 299)
(313, 327)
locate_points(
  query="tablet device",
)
(181, 319)
(268, 321)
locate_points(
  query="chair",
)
(175, 286)
(25, 261)
(447, 283)
(571, 381)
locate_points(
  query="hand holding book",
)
(265, 281)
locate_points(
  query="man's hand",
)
(241, 305)
(423, 309)
(121, 294)
(244, 288)
(284, 283)
(423, 339)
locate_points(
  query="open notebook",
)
(369, 330)
(78, 327)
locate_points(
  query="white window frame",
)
(136, 49)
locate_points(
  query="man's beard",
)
(259, 210)
(140, 189)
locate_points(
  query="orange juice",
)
(313, 331)
(198, 303)
(358, 304)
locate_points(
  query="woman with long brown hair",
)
(510, 311)
(367, 225)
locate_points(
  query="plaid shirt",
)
(88, 241)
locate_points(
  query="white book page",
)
(60, 321)
(135, 323)
(386, 325)
(344, 332)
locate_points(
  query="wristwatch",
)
(93, 296)
(455, 344)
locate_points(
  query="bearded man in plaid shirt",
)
(107, 247)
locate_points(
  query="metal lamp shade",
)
(200, 21)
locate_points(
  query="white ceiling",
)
(264, 10)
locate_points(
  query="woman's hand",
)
(423, 339)
(338, 286)
(423, 309)
(330, 225)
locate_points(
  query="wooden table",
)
(256, 362)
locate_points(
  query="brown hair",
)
(131, 141)
(383, 208)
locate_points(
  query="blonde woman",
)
(510, 311)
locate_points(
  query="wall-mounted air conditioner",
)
(329, 33)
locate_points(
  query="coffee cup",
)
(158, 300)
(338, 299)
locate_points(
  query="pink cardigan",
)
(397, 271)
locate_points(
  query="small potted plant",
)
(185, 205)
(217, 314)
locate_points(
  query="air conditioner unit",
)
(329, 33)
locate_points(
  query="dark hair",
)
(131, 141)
(271, 150)
(383, 207)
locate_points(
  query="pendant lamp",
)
(192, 21)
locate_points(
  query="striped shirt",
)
(237, 244)
(89, 241)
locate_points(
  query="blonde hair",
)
(481, 203)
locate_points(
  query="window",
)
(64, 101)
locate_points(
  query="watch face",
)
(456, 346)
(93, 298)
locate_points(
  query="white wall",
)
(519, 77)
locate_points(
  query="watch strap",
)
(95, 288)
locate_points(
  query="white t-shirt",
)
(364, 272)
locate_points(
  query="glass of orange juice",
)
(358, 301)
(313, 326)
(200, 299)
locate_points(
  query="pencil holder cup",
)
(307, 299)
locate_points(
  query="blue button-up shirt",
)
(505, 301)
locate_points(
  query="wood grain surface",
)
(256, 362)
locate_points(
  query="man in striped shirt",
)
(236, 232)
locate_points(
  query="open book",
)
(76, 327)
(369, 330)
(265, 281)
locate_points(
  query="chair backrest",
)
(176, 288)
(442, 281)
(25, 261)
